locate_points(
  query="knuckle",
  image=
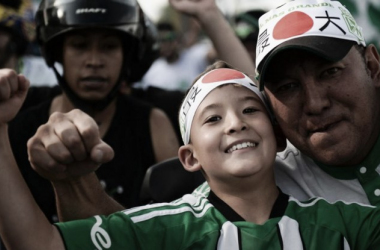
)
(71, 141)
(89, 132)
(55, 116)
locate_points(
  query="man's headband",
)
(322, 27)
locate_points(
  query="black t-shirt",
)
(128, 134)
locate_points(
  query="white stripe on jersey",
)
(229, 237)
(309, 204)
(166, 212)
(312, 202)
(346, 245)
(290, 234)
(198, 203)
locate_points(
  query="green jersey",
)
(197, 222)
(304, 178)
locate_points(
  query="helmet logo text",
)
(90, 10)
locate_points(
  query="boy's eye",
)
(249, 110)
(213, 119)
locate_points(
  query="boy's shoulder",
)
(202, 191)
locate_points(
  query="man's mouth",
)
(324, 128)
(241, 146)
(93, 82)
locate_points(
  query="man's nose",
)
(316, 98)
(94, 57)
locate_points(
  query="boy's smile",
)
(240, 145)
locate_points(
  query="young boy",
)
(228, 134)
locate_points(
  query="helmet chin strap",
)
(87, 106)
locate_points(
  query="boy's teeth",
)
(241, 145)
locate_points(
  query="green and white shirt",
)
(304, 178)
(197, 222)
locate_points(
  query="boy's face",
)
(232, 135)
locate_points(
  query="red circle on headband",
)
(293, 24)
(222, 75)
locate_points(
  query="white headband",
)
(203, 87)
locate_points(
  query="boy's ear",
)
(188, 159)
(280, 137)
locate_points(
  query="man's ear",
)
(188, 159)
(373, 62)
(280, 137)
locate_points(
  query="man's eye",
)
(111, 46)
(287, 87)
(331, 71)
(79, 45)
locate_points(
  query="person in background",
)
(177, 65)
(17, 31)
(98, 51)
(246, 27)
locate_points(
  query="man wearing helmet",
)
(99, 44)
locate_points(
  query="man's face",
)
(330, 111)
(92, 61)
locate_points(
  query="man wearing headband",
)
(323, 84)
(228, 134)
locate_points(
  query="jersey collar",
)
(278, 209)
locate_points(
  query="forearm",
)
(83, 198)
(229, 48)
(20, 216)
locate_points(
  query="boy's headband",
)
(202, 87)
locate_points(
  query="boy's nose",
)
(236, 124)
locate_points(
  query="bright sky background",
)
(153, 8)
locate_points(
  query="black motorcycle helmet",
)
(55, 18)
